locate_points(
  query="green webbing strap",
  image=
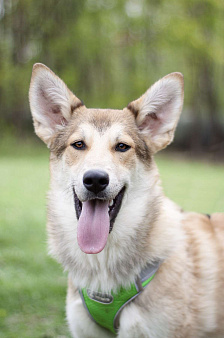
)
(105, 308)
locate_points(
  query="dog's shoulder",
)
(217, 221)
(209, 225)
(205, 245)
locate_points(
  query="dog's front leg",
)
(80, 324)
(133, 324)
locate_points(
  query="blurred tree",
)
(198, 30)
(110, 51)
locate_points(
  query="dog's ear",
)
(51, 102)
(158, 110)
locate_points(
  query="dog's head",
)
(98, 152)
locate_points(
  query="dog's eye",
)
(80, 145)
(122, 147)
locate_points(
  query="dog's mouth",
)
(95, 221)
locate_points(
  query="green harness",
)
(105, 309)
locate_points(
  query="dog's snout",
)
(95, 180)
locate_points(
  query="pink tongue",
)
(93, 226)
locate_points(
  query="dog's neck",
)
(145, 231)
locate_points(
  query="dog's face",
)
(100, 153)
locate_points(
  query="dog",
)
(147, 268)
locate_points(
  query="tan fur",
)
(186, 297)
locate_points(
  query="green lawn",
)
(195, 186)
(32, 285)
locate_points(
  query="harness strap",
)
(105, 309)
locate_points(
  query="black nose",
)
(95, 180)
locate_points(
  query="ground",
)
(32, 285)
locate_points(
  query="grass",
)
(194, 185)
(32, 285)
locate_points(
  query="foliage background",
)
(109, 52)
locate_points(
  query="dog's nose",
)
(95, 180)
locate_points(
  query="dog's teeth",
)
(111, 203)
